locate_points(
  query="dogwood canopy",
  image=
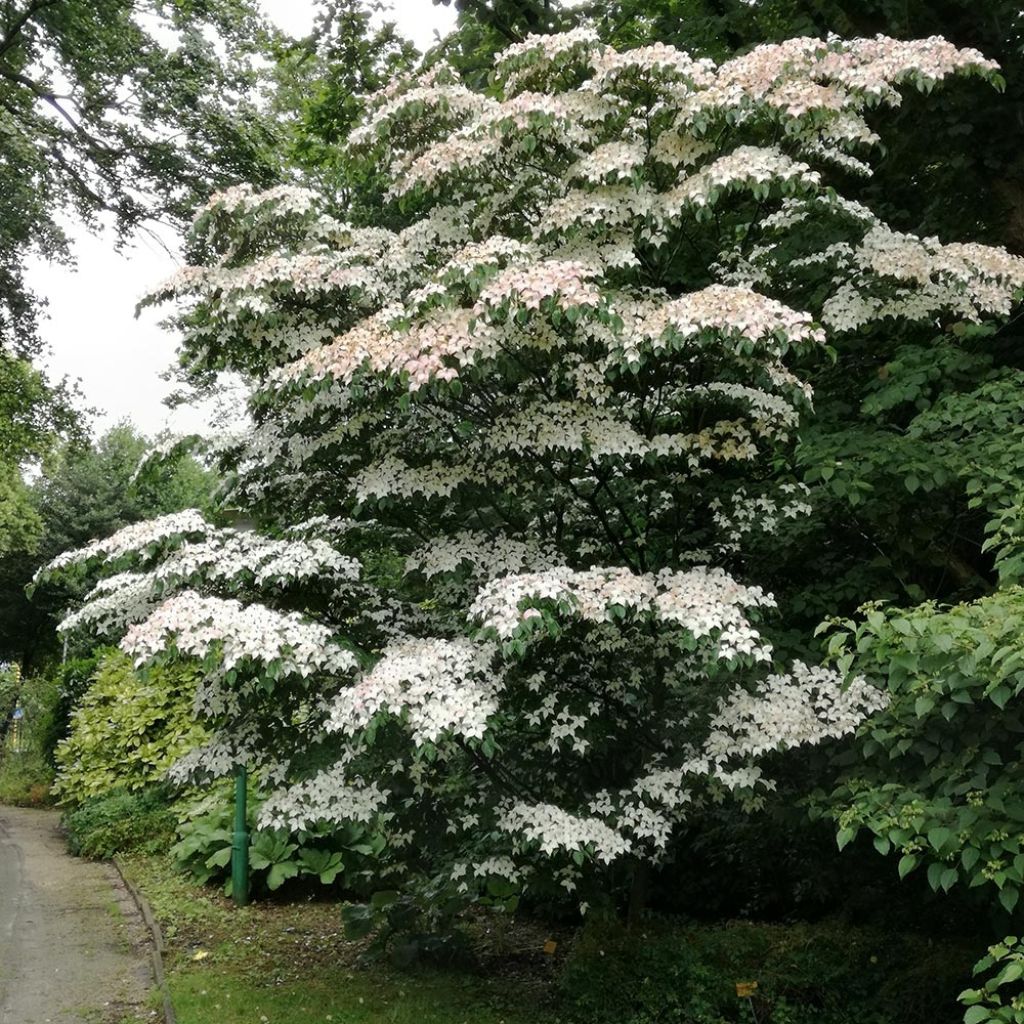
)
(510, 441)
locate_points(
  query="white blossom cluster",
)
(703, 601)
(196, 626)
(132, 539)
(232, 556)
(745, 513)
(555, 830)
(219, 756)
(239, 560)
(330, 795)
(435, 686)
(739, 311)
(113, 604)
(927, 278)
(802, 707)
(485, 556)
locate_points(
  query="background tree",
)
(83, 492)
(117, 111)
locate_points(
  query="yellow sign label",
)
(550, 946)
(745, 989)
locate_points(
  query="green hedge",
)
(128, 730)
(120, 823)
(823, 973)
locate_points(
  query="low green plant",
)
(121, 822)
(128, 729)
(420, 922)
(330, 856)
(661, 972)
(1000, 999)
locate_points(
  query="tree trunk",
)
(639, 891)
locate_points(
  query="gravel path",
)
(72, 946)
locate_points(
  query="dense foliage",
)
(126, 730)
(936, 776)
(120, 822)
(342, 857)
(796, 974)
(85, 490)
(116, 110)
(991, 1003)
(551, 408)
(10, 691)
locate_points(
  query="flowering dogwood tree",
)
(525, 425)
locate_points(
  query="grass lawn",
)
(279, 963)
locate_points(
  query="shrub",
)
(10, 687)
(25, 774)
(936, 779)
(128, 730)
(806, 974)
(25, 779)
(992, 1003)
(121, 822)
(72, 680)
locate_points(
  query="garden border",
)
(157, 945)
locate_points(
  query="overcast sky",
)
(92, 330)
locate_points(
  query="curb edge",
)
(157, 937)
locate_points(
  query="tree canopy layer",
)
(542, 405)
(117, 111)
(85, 490)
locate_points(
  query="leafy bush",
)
(418, 923)
(10, 687)
(25, 774)
(937, 777)
(128, 729)
(805, 974)
(989, 1005)
(25, 779)
(72, 680)
(338, 855)
(121, 822)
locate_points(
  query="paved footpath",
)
(72, 945)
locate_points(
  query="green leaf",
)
(907, 863)
(1008, 897)
(1011, 972)
(358, 920)
(845, 836)
(219, 858)
(280, 873)
(383, 898)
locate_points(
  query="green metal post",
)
(240, 846)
